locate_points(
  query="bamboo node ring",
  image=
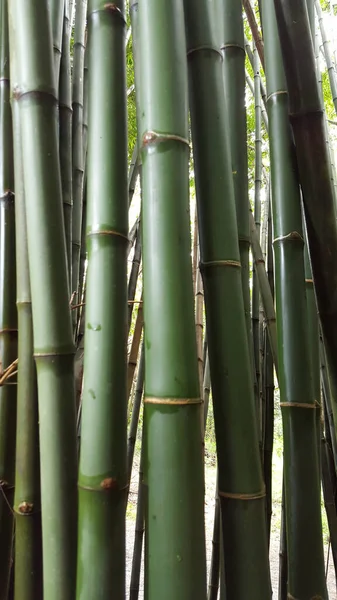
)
(279, 93)
(220, 263)
(113, 8)
(152, 137)
(300, 405)
(225, 46)
(205, 47)
(293, 236)
(309, 281)
(172, 401)
(108, 232)
(233, 496)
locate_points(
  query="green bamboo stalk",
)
(175, 563)
(241, 487)
(56, 11)
(65, 120)
(250, 14)
(327, 397)
(263, 107)
(134, 274)
(233, 51)
(139, 533)
(327, 54)
(206, 387)
(214, 572)
(132, 434)
(283, 554)
(133, 355)
(249, 53)
(77, 141)
(268, 439)
(308, 127)
(34, 91)
(27, 501)
(103, 469)
(133, 173)
(257, 219)
(329, 494)
(265, 291)
(8, 315)
(301, 469)
(199, 324)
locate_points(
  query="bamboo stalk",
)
(240, 476)
(139, 533)
(265, 291)
(137, 334)
(132, 435)
(257, 219)
(308, 128)
(254, 29)
(8, 315)
(56, 11)
(134, 274)
(77, 141)
(175, 565)
(269, 392)
(103, 468)
(298, 403)
(65, 118)
(34, 91)
(27, 501)
(263, 107)
(233, 51)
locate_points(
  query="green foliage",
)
(131, 105)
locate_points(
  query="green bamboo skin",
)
(175, 562)
(34, 91)
(233, 50)
(8, 315)
(27, 502)
(306, 577)
(56, 12)
(308, 127)
(241, 486)
(257, 219)
(65, 133)
(103, 469)
(77, 141)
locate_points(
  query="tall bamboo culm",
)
(77, 143)
(34, 92)
(8, 315)
(27, 501)
(301, 470)
(174, 544)
(241, 489)
(65, 134)
(307, 122)
(103, 470)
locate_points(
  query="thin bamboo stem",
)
(8, 314)
(34, 90)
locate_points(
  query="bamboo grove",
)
(168, 277)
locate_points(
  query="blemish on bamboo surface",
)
(172, 401)
(153, 137)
